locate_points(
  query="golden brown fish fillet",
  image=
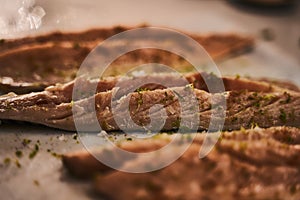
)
(55, 58)
(245, 164)
(243, 109)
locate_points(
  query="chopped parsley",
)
(6, 161)
(176, 123)
(56, 155)
(268, 97)
(34, 151)
(18, 163)
(140, 101)
(75, 136)
(282, 116)
(257, 104)
(19, 153)
(142, 89)
(26, 142)
(76, 45)
(288, 97)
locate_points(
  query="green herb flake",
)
(6, 161)
(142, 89)
(140, 101)
(254, 125)
(237, 76)
(75, 136)
(56, 155)
(19, 153)
(288, 97)
(34, 152)
(18, 163)
(36, 147)
(76, 45)
(282, 116)
(26, 142)
(268, 97)
(176, 123)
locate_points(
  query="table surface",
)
(43, 177)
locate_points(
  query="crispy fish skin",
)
(243, 109)
(240, 162)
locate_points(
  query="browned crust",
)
(269, 156)
(55, 58)
(243, 109)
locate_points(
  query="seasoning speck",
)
(268, 34)
(36, 182)
(56, 155)
(76, 45)
(282, 116)
(26, 142)
(6, 161)
(75, 136)
(18, 164)
(19, 153)
(34, 152)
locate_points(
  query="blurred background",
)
(274, 22)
